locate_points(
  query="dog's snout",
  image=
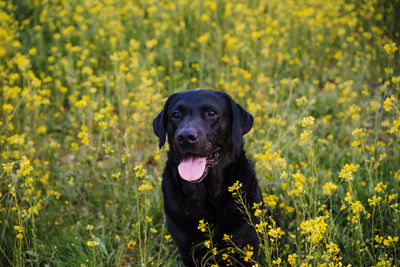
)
(188, 136)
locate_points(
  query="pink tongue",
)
(192, 168)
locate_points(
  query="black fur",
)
(198, 122)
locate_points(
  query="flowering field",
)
(81, 82)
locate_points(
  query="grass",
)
(81, 82)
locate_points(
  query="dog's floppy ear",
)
(242, 122)
(160, 127)
(160, 122)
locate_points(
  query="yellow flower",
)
(328, 188)
(226, 237)
(380, 187)
(8, 167)
(301, 101)
(202, 225)
(305, 135)
(139, 171)
(84, 137)
(277, 261)
(396, 127)
(390, 48)
(131, 244)
(374, 200)
(358, 131)
(235, 187)
(292, 258)
(92, 243)
(248, 252)
(307, 121)
(8, 108)
(315, 229)
(146, 186)
(347, 172)
(178, 63)
(203, 38)
(18, 228)
(41, 129)
(389, 103)
(167, 237)
(275, 232)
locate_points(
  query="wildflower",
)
(25, 167)
(151, 43)
(226, 237)
(260, 227)
(92, 243)
(274, 232)
(18, 228)
(207, 243)
(146, 186)
(346, 172)
(328, 188)
(380, 187)
(396, 127)
(153, 230)
(131, 244)
(167, 238)
(84, 137)
(202, 225)
(248, 252)
(178, 63)
(270, 200)
(139, 171)
(389, 103)
(307, 121)
(374, 200)
(203, 38)
(41, 129)
(235, 187)
(390, 48)
(301, 101)
(292, 259)
(8, 167)
(8, 108)
(314, 228)
(277, 261)
(358, 131)
(305, 135)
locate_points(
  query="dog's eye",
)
(211, 113)
(176, 115)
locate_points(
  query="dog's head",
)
(202, 126)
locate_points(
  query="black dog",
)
(206, 157)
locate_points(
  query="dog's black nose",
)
(187, 136)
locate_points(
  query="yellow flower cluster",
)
(202, 226)
(314, 229)
(235, 187)
(390, 48)
(346, 172)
